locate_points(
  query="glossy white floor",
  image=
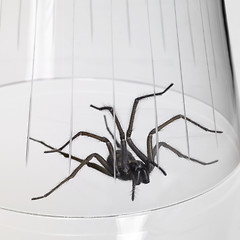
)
(213, 215)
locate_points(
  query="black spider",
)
(127, 167)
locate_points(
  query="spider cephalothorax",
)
(135, 170)
(140, 172)
(121, 163)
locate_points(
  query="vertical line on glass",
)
(91, 17)
(211, 38)
(1, 7)
(128, 21)
(182, 84)
(31, 84)
(227, 63)
(162, 25)
(19, 23)
(225, 54)
(113, 89)
(191, 32)
(154, 80)
(72, 87)
(53, 20)
(209, 75)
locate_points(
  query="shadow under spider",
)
(126, 166)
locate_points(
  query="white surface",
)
(211, 216)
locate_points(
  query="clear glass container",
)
(57, 58)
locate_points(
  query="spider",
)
(127, 167)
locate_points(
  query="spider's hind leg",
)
(168, 122)
(105, 169)
(179, 154)
(91, 135)
(72, 175)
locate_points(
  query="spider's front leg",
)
(109, 131)
(133, 188)
(117, 122)
(122, 145)
(137, 151)
(135, 104)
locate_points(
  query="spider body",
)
(134, 170)
(121, 163)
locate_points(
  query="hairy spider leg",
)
(142, 156)
(109, 131)
(123, 144)
(134, 108)
(179, 116)
(179, 154)
(72, 175)
(134, 185)
(133, 188)
(139, 153)
(91, 135)
(106, 169)
(110, 109)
